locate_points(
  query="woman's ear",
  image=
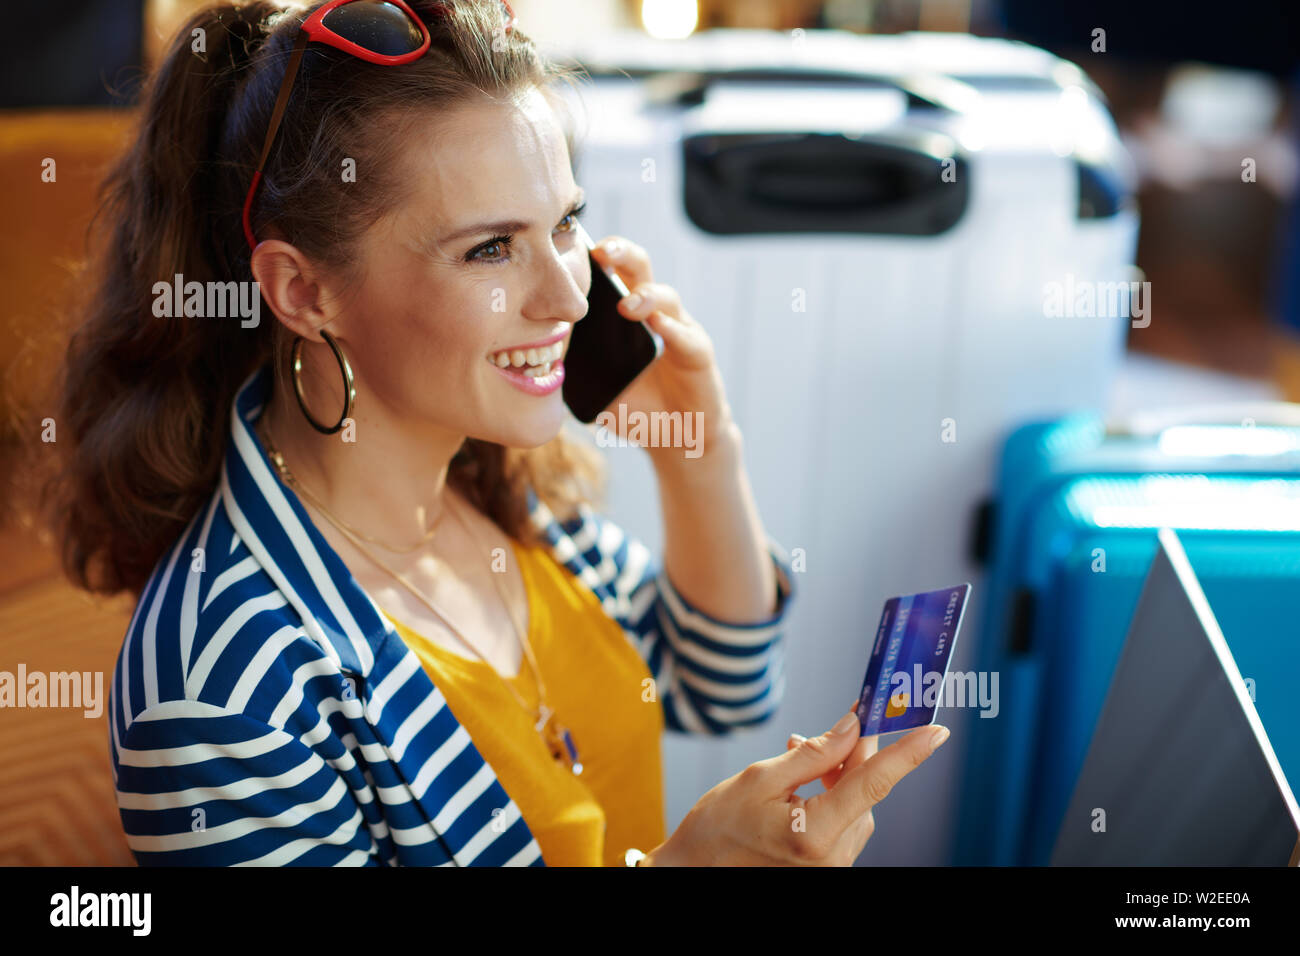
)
(291, 286)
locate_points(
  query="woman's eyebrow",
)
(505, 226)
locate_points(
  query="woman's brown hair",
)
(145, 401)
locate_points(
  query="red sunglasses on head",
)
(386, 32)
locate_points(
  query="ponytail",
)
(145, 397)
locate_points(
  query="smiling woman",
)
(320, 668)
(148, 449)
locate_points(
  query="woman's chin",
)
(537, 428)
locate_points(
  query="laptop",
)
(1180, 771)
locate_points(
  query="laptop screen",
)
(1180, 771)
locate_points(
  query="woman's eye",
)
(481, 253)
(499, 241)
(574, 214)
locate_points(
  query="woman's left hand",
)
(685, 378)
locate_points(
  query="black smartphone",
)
(606, 350)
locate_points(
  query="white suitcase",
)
(867, 310)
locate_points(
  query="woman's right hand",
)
(755, 819)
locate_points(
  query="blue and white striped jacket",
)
(263, 711)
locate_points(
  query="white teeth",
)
(532, 357)
(540, 372)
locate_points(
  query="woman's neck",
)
(384, 478)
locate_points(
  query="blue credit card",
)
(909, 662)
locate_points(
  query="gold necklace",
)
(557, 737)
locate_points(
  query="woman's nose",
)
(559, 291)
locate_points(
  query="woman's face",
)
(443, 290)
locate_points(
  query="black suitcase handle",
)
(757, 183)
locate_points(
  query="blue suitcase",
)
(1073, 533)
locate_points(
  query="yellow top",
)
(597, 684)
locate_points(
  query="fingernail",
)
(614, 247)
(846, 723)
(939, 736)
(798, 738)
(633, 300)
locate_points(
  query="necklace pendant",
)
(560, 743)
(572, 753)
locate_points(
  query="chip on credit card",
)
(909, 661)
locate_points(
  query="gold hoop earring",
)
(349, 389)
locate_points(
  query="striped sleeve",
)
(712, 676)
(198, 785)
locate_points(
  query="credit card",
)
(909, 662)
